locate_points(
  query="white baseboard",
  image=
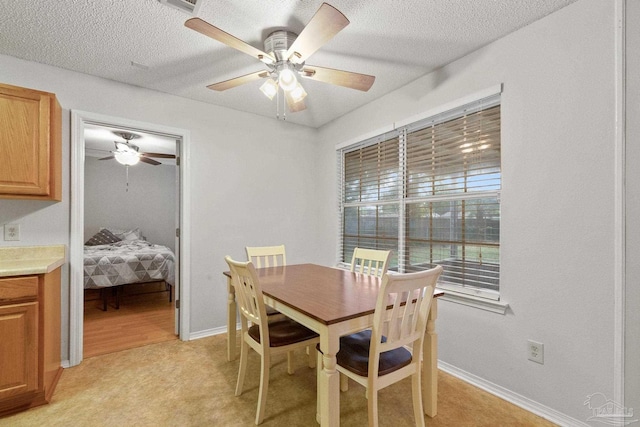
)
(512, 397)
(208, 333)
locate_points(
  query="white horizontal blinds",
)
(429, 192)
(371, 172)
(452, 187)
(457, 156)
(371, 196)
(461, 235)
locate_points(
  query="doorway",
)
(81, 121)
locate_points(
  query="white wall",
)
(557, 256)
(149, 203)
(250, 180)
(632, 313)
(557, 200)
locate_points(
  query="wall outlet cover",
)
(535, 351)
(11, 232)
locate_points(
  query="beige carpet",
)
(191, 384)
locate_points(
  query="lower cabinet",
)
(29, 340)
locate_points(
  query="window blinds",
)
(429, 191)
(371, 193)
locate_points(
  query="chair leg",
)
(290, 369)
(372, 405)
(416, 391)
(312, 357)
(264, 387)
(244, 349)
(344, 382)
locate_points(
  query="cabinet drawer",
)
(18, 288)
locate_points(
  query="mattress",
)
(127, 262)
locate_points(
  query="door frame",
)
(76, 243)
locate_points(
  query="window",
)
(430, 192)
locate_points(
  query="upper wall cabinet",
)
(30, 144)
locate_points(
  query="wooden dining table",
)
(332, 302)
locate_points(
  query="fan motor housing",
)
(278, 42)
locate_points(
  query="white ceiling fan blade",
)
(216, 33)
(348, 79)
(326, 23)
(237, 81)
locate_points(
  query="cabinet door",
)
(24, 141)
(18, 349)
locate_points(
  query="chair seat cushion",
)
(284, 332)
(354, 355)
(271, 311)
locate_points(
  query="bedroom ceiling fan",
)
(285, 54)
(128, 154)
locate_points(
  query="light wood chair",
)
(267, 256)
(266, 338)
(373, 262)
(273, 256)
(377, 361)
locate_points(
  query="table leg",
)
(231, 321)
(329, 382)
(430, 364)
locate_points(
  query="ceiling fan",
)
(128, 154)
(285, 54)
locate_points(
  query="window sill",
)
(493, 306)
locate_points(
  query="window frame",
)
(483, 298)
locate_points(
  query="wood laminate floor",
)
(145, 317)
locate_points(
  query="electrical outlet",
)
(535, 351)
(12, 232)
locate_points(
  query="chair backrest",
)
(410, 296)
(370, 261)
(266, 256)
(249, 295)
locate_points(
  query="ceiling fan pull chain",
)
(284, 108)
(127, 169)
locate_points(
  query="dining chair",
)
(373, 262)
(266, 338)
(273, 256)
(267, 256)
(375, 360)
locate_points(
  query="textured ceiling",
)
(395, 40)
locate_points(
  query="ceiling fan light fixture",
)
(269, 88)
(287, 79)
(127, 158)
(297, 93)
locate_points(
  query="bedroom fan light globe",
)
(127, 158)
(287, 79)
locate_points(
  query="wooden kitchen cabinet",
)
(29, 340)
(30, 144)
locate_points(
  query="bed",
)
(113, 259)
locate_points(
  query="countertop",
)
(24, 260)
